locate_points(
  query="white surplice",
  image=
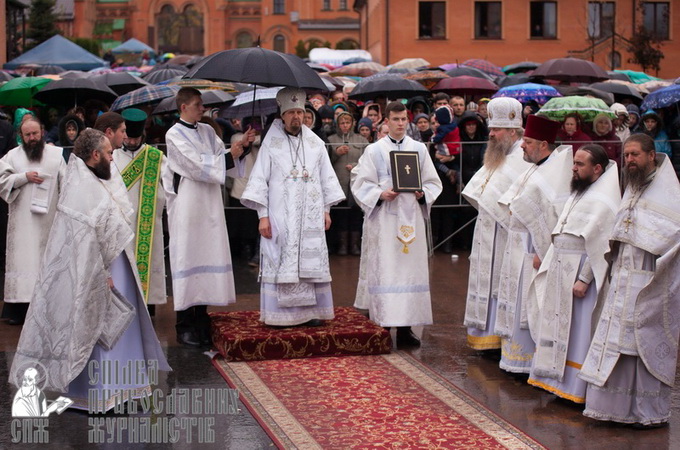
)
(200, 258)
(294, 266)
(157, 294)
(394, 282)
(31, 212)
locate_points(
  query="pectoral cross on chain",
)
(407, 168)
(628, 222)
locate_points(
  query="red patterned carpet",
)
(240, 336)
(368, 402)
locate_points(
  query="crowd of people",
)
(572, 282)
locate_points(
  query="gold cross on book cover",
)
(405, 171)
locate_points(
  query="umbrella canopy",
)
(663, 97)
(318, 67)
(526, 92)
(428, 78)
(519, 67)
(467, 72)
(637, 77)
(260, 102)
(204, 84)
(133, 46)
(74, 74)
(210, 97)
(571, 69)
(49, 69)
(638, 87)
(259, 66)
(156, 76)
(410, 63)
(362, 69)
(400, 70)
(485, 66)
(147, 95)
(71, 91)
(465, 85)
(193, 61)
(614, 75)
(586, 91)
(511, 80)
(5, 76)
(20, 91)
(587, 107)
(120, 82)
(391, 86)
(181, 60)
(655, 85)
(335, 81)
(620, 91)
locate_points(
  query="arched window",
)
(244, 40)
(280, 43)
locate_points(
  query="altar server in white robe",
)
(631, 364)
(87, 314)
(292, 187)
(200, 258)
(503, 164)
(534, 201)
(30, 179)
(141, 165)
(394, 281)
(564, 293)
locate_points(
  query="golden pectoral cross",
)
(628, 222)
(407, 168)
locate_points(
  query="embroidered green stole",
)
(146, 166)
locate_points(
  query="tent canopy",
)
(59, 51)
(133, 46)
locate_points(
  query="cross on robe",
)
(408, 169)
(628, 222)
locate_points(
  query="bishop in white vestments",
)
(394, 280)
(30, 179)
(292, 187)
(631, 364)
(503, 164)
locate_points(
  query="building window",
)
(326, 5)
(343, 5)
(279, 7)
(488, 20)
(601, 19)
(280, 43)
(656, 19)
(432, 20)
(543, 20)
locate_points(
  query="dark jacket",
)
(472, 154)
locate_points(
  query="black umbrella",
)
(258, 66)
(169, 66)
(74, 74)
(468, 72)
(571, 69)
(614, 75)
(211, 97)
(519, 67)
(392, 86)
(619, 90)
(156, 76)
(512, 80)
(120, 82)
(568, 91)
(72, 91)
(49, 69)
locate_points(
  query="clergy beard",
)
(34, 150)
(496, 152)
(102, 169)
(635, 176)
(293, 129)
(579, 185)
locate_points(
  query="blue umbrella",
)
(662, 98)
(526, 92)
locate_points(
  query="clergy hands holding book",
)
(34, 177)
(388, 195)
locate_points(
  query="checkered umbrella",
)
(485, 66)
(147, 95)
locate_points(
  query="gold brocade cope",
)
(146, 166)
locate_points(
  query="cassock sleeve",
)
(10, 180)
(184, 160)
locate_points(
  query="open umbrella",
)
(204, 84)
(614, 75)
(410, 63)
(485, 66)
(557, 108)
(20, 91)
(571, 69)
(620, 91)
(463, 85)
(362, 69)
(468, 72)
(146, 95)
(638, 87)
(72, 91)
(181, 60)
(392, 86)
(586, 91)
(260, 102)
(5, 76)
(428, 78)
(655, 85)
(120, 82)
(663, 97)
(156, 76)
(637, 77)
(511, 80)
(526, 92)
(49, 69)
(211, 97)
(336, 82)
(75, 74)
(520, 67)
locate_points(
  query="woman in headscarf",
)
(652, 126)
(603, 134)
(572, 132)
(70, 127)
(621, 122)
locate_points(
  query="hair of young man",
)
(598, 155)
(185, 95)
(394, 107)
(441, 96)
(646, 142)
(109, 120)
(88, 141)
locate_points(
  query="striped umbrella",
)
(147, 95)
(485, 66)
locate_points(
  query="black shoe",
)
(313, 323)
(406, 338)
(188, 339)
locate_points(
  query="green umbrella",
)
(588, 107)
(637, 77)
(19, 91)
